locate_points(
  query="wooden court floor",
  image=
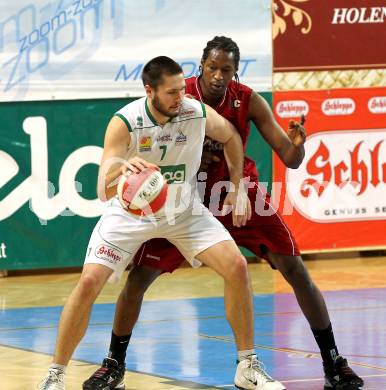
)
(354, 288)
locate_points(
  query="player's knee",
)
(238, 268)
(138, 281)
(89, 286)
(296, 272)
(134, 289)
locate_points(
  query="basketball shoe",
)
(108, 377)
(340, 376)
(251, 375)
(53, 381)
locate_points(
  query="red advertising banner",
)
(328, 34)
(336, 199)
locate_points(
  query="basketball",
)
(142, 193)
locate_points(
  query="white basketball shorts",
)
(118, 235)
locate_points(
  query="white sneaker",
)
(53, 381)
(251, 375)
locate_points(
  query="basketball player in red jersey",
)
(265, 235)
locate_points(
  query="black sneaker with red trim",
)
(340, 376)
(108, 377)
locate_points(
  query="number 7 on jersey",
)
(163, 148)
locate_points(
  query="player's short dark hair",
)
(158, 67)
(223, 43)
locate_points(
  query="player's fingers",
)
(125, 169)
(249, 213)
(234, 219)
(300, 132)
(241, 210)
(133, 167)
(137, 164)
(216, 159)
(142, 164)
(242, 217)
(243, 220)
(236, 214)
(154, 166)
(296, 125)
(226, 209)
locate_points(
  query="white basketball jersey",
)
(175, 147)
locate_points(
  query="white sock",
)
(242, 355)
(58, 367)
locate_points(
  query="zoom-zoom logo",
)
(71, 30)
(174, 174)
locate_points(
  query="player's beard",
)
(162, 109)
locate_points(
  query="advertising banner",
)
(329, 34)
(66, 49)
(337, 198)
(49, 159)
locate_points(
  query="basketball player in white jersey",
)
(163, 129)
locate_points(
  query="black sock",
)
(118, 347)
(326, 342)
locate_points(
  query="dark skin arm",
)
(288, 146)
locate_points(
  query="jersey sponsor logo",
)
(145, 144)
(292, 108)
(181, 138)
(213, 146)
(187, 113)
(165, 138)
(108, 253)
(156, 258)
(332, 107)
(174, 174)
(377, 105)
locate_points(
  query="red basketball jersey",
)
(234, 107)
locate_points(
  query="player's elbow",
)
(104, 193)
(293, 164)
(293, 161)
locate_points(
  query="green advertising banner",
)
(49, 155)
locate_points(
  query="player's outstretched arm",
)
(288, 146)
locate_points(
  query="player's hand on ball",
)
(296, 132)
(143, 192)
(136, 165)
